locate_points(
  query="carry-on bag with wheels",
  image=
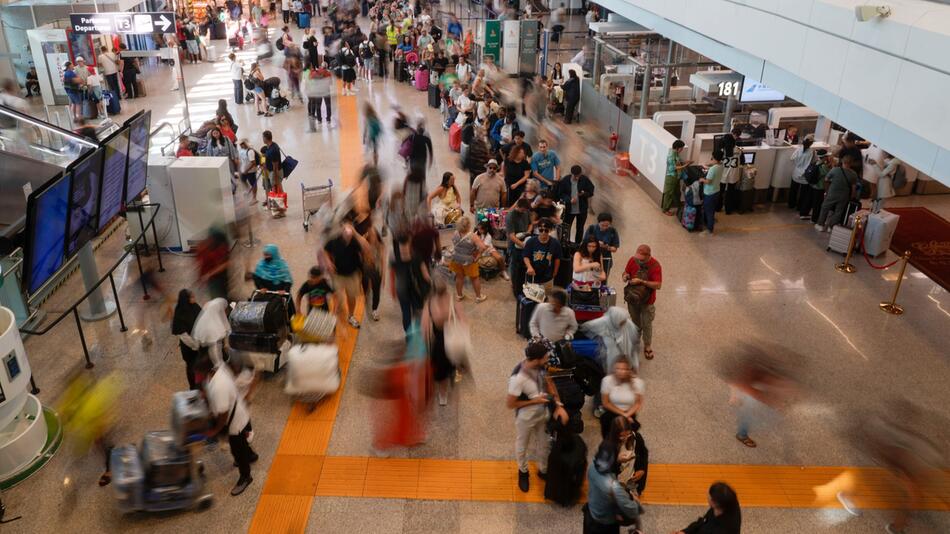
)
(524, 308)
(164, 462)
(190, 417)
(259, 317)
(435, 96)
(840, 239)
(455, 137)
(878, 232)
(128, 477)
(421, 80)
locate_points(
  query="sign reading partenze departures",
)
(119, 22)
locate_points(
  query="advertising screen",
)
(46, 225)
(754, 91)
(84, 202)
(138, 154)
(113, 177)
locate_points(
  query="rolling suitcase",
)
(878, 232)
(570, 392)
(269, 343)
(840, 239)
(112, 103)
(422, 79)
(163, 462)
(303, 20)
(190, 417)
(524, 308)
(261, 317)
(435, 97)
(455, 137)
(128, 477)
(586, 348)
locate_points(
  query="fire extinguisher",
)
(614, 139)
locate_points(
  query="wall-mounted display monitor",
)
(754, 91)
(138, 154)
(47, 210)
(748, 158)
(114, 167)
(84, 201)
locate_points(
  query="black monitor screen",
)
(138, 155)
(46, 217)
(84, 201)
(113, 177)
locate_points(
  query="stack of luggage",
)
(260, 327)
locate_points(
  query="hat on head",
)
(80, 58)
(491, 162)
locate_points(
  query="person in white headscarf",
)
(619, 335)
(212, 329)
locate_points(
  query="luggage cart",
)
(314, 198)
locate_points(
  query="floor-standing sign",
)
(528, 58)
(492, 44)
(511, 35)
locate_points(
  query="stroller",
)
(276, 102)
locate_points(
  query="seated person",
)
(490, 258)
(445, 202)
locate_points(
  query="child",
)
(490, 258)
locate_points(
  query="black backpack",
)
(279, 43)
(812, 173)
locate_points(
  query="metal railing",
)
(74, 309)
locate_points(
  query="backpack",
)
(900, 177)
(812, 173)
(279, 43)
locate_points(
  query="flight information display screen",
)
(84, 202)
(114, 169)
(47, 211)
(138, 155)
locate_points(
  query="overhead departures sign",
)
(123, 23)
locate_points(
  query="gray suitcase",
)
(840, 239)
(190, 417)
(164, 463)
(128, 477)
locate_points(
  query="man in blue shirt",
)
(607, 236)
(73, 85)
(273, 172)
(542, 256)
(545, 165)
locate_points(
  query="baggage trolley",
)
(314, 198)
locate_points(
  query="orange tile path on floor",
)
(302, 470)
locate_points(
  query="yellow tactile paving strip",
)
(302, 470)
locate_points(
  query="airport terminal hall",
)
(475, 266)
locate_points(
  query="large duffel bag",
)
(269, 343)
(312, 369)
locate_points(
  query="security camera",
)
(866, 13)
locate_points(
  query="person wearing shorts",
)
(343, 259)
(468, 247)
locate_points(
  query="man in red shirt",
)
(643, 269)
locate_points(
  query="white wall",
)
(888, 80)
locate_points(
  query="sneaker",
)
(318, 126)
(819, 228)
(353, 322)
(524, 481)
(375, 315)
(804, 217)
(480, 298)
(506, 276)
(241, 485)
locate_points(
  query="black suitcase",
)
(570, 392)
(434, 96)
(259, 317)
(565, 273)
(268, 343)
(524, 308)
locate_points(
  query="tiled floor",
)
(763, 276)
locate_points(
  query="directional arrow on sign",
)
(165, 23)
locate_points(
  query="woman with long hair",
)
(445, 201)
(183, 322)
(588, 268)
(437, 311)
(610, 505)
(724, 515)
(468, 247)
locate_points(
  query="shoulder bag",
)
(458, 339)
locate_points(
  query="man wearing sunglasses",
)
(542, 256)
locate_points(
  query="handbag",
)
(457, 339)
(533, 291)
(584, 298)
(319, 326)
(288, 165)
(405, 150)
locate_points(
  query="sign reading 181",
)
(729, 88)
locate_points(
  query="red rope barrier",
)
(868, 258)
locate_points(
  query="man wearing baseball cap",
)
(531, 394)
(489, 189)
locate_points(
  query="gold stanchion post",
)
(845, 266)
(893, 307)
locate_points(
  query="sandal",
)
(105, 479)
(747, 441)
(648, 354)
